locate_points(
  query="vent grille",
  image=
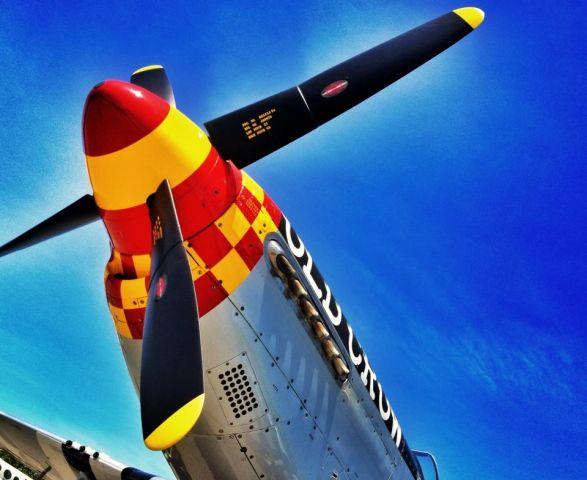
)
(237, 391)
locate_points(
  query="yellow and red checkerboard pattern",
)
(221, 256)
(127, 297)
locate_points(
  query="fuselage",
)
(289, 390)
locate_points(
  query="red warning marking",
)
(160, 287)
(334, 88)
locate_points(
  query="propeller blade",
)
(154, 79)
(79, 213)
(256, 130)
(172, 380)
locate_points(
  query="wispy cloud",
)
(446, 337)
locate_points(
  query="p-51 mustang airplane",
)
(245, 365)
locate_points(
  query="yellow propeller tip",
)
(177, 426)
(473, 16)
(147, 68)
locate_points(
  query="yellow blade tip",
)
(473, 16)
(147, 68)
(176, 426)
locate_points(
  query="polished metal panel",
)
(132, 352)
(308, 424)
(237, 390)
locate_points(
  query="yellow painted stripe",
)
(253, 187)
(176, 426)
(197, 265)
(120, 321)
(231, 270)
(233, 224)
(115, 264)
(125, 178)
(142, 264)
(263, 224)
(134, 293)
(473, 16)
(147, 68)
(123, 330)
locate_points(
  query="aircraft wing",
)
(57, 459)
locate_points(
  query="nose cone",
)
(117, 114)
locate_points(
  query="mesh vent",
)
(238, 390)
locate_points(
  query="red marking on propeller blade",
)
(334, 88)
(160, 287)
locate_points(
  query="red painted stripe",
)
(206, 195)
(129, 229)
(117, 114)
(135, 318)
(211, 245)
(250, 248)
(209, 293)
(128, 266)
(272, 209)
(113, 293)
(200, 199)
(248, 205)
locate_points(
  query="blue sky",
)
(448, 213)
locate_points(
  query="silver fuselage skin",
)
(296, 418)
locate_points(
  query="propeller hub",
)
(117, 114)
(133, 140)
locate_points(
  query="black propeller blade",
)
(256, 130)
(79, 213)
(172, 381)
(154, 79)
